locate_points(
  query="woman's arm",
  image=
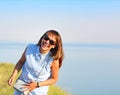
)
(17, 68)
(54, 76)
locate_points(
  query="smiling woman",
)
(40, 65)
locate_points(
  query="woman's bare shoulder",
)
(55, 63)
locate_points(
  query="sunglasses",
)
(47, 38)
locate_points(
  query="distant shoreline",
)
(88, 45)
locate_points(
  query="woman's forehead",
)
(51, 36)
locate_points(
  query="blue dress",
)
(31, 70)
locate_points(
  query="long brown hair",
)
(57, 53)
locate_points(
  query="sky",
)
(78, 21)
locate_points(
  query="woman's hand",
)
(30, 86)
(10, 81)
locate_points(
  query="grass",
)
(5, 72)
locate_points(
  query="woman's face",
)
(48, 42)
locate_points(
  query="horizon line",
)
(105, 45)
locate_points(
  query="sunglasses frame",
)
(45, 37)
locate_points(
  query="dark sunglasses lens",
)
(46, 37)
(51, 42)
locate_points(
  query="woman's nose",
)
(47, 41)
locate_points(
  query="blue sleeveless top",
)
(32, 68)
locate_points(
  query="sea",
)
(88, 69)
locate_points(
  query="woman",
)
(47, 56)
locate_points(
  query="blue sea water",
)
(91, 69)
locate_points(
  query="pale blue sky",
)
(78, 21)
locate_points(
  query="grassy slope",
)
(6, 70)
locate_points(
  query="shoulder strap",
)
(41, 70)
(42, 67)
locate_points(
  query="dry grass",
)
(5, 72)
